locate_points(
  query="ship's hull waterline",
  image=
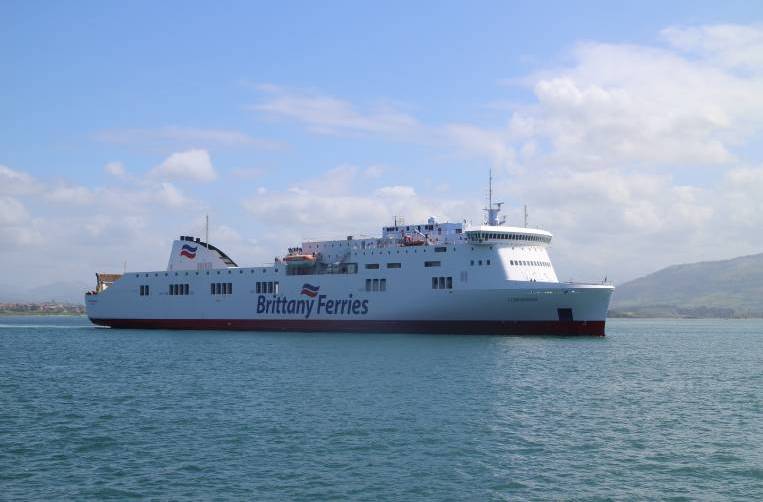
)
(586, 328)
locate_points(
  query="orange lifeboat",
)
(299, 260)
(410, 241)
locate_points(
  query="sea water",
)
(657, 409)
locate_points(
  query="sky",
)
(632, 132)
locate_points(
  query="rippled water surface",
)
(657, 409)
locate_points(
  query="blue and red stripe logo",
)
(310, 290)
(188, 251)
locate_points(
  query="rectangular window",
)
(171, 290)
(372, 266)
(229, 288)
(218, 288)
(212, 288)
(440, 249)
(393, 265)
(147, 291)
(141, 290)
(450, 282)
(275, 288)
(441, 282)
(368, 284)
(383, 285)
(434, 282)
(376, 284)
(259, 287)
(431, 263)
(270, 288)
(186, 289)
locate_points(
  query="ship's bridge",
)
(495, 234)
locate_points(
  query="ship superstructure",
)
(438, 277)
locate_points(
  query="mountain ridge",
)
(719, 288)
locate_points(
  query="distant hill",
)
(726, 288)
(66, 292)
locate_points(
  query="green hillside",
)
(727, 288)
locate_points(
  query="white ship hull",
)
(433, 278)
(486, 294)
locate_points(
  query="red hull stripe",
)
(591, 328)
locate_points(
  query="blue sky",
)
(622, 126)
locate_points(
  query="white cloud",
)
(374, 171)
(17, 182)
(728, 45)
(115, 169)
(12, 212)
(491, 144)
(329, 115)
(194, 165)
(17, 227)
(320, 210)
(633, 105)
(70, 194)
(169, 195)
(396, 192)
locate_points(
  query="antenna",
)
(206, 231)
(525, 215)
(490, 189)
(492, 209)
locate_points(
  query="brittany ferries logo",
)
(322, 305)
(188, 251)
(310, 290)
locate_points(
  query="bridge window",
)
(440, 249)
(393, 265)
(372, 266)
(431, 263)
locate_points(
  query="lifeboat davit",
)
(299, 260)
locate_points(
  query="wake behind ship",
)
(436, 277)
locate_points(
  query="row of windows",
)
(479, 262)
(240, 271)
(266, 288)
(376, 284)
(375, 266)
(431, 263)
(221, 288)
(442, 282)
(531, 263)
(144, 290)
(509, 237)
(180, 289)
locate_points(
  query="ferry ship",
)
(434, 277)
